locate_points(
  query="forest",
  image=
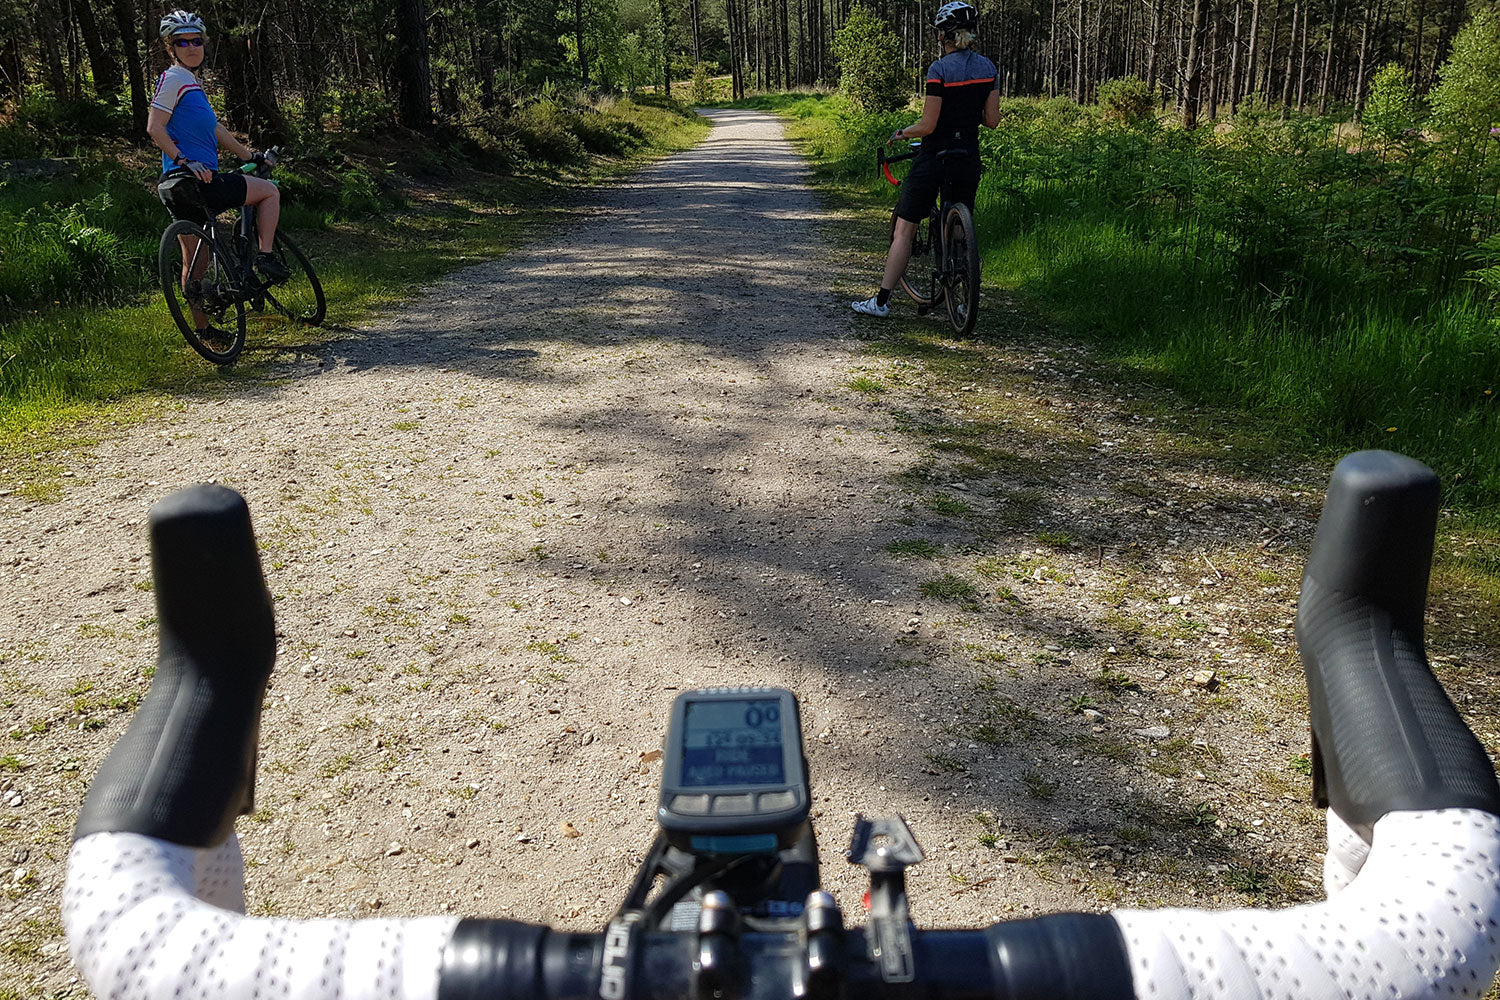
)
(289, 68)
(1291, 207)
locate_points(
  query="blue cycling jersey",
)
(193, 126)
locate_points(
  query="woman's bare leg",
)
(198, 261)
(266, 197)
(895, 263)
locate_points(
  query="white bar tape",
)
(1420, 920)
(148, 920)
(143, 924)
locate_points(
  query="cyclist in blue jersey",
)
(188, 133)
(963, 91)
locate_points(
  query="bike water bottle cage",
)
(734, 781)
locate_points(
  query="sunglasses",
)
(183, 43)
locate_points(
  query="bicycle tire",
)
(215, 292)
(300, 297)
(910, 288)
(960, 269)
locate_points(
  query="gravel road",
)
(505, 524)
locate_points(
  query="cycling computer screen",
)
(734, 780)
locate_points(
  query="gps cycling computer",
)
(734, 780)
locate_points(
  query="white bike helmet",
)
(956, 16)
(182, 22)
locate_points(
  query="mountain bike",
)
(728, 905)
(948, 234)
(208, 277)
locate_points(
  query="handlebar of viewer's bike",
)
(153, 904)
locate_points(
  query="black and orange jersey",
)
(964, 80)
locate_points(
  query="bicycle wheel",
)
(923, 299)
(960, 268)
(300, 297)
(203, 295)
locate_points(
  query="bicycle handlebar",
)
(1385, 735)
(1414, 823)
(884, 162)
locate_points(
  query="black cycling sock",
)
(883, 296)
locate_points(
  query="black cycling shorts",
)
(955, 175)
(187, 198)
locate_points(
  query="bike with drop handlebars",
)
(728, 904)
(208, 276)
(948, 235)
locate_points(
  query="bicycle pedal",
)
(923, 310)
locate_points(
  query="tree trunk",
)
(1234, 62)
(1416, 55)
(736, 50)
(1213, 66)
(1252, 51)
(786, 45)
(1359, 77)
(487, 51)
(1333, 34)
(583, 55)
(1268, 61)
(413, 70)
(57, 77)
(12, 69)
(1193, 72)
(1052, 52)
(1302, 66)
(666, 48)
(697, 42)
(125, 24)
(802, 74)
(1291, 53)
(1153, 45)
(101, 62)
(1078, 56)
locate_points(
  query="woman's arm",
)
(931, 106)
(229, 139)
(156, 128)
(992, 110)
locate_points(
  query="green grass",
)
(66, 370)
(948, 588)
(919, 547)
(1341, 363)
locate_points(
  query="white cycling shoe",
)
(869, 307)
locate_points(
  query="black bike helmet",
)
(956, 16)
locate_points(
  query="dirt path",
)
(504, 526)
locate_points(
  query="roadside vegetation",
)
(83, 329)
(1336, 285)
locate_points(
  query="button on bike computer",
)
(734, 780)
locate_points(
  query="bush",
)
(701, 90)
(602, 134)
(1126, 100)
(869, 57)
(46, 125)
(57, 254)
(1391, 110)
(362, 111)
(541, 128)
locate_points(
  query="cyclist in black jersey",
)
(962, 92)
